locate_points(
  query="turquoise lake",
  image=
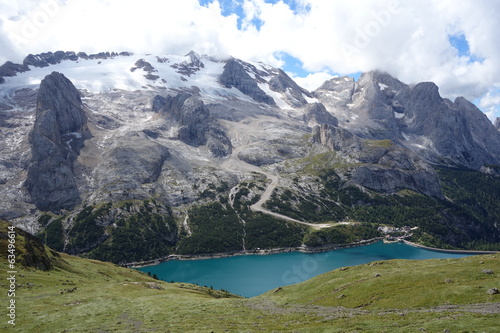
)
(252, 275)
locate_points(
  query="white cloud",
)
(312, 81)
(408, 39)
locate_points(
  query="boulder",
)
(493, 291)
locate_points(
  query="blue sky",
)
(460, 43)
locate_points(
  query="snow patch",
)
(309, 99)
(398, 115)
(382, 86)
(102, 75)
(275, 95)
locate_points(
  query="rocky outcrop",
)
(377, 104)
(341, 88)
(380, 165)
(48, 58)
(11, 69)
(316, 114)
(191, 66)
(234, 75)
(146, 67)
(282, 83)
(457, 131)
(56, 139)
(497, 123)
(381, 107)
(134, 161)
(193, 123)
(336, 138)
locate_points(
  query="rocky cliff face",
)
(235, 75)
(134, 161)
(379, 165)
(282, 83)
(379, 106)
(192, 122)
(316, 114)
(497, 123)
(56, 139)
(456, 131)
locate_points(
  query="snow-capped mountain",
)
(80, 130)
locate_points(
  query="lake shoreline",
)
(449, 251)
(303, 249)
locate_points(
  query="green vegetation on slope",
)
(466, 219)
(122, 232)
(142, 236)
(219, 228)
(266, 232)
(401, 284)
(81, 295)
(342, 234)
(215, 228)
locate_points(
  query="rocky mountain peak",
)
(195, 59)
(282, 83)
(497, 123)
(56, 140)
(58, 94)
(235, 75)
(191, 65)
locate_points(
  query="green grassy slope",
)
(80, 295)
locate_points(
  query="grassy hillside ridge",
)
(387, 284)
(82, 295)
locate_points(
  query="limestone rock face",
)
(56, 139)
(282, 83)
(380, 165)
(316, 114)
(234, 75)
(133, 162)
(193, 122)
(457, 131)
(49, 58)
(11, 69)
(379, 107)
(58, 95)
(191, 66)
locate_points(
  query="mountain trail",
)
(233, 163)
